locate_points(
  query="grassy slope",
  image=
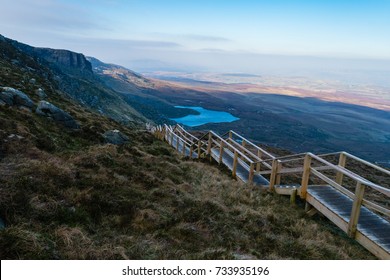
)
(67, 195)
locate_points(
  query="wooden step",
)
(286, 189)
(242, 171)
(373, 231)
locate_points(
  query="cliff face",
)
(61, 72)
(65, 58)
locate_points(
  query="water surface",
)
(205, 116)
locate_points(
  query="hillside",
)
(147, 95)
(61, 73)
(66, 193)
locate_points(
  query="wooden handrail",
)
(194, 138)
(177, 136)
(252, 144)
(256, 158)
(229, 145)
(281, 158)
(244, 149)
(367, 163)
(185, 137)
(373, 206)
(352, 175)
(339, 169)
(203, 136)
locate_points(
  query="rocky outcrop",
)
(65, 58)
(115, 137)
(49, 110)
(13, 97)
(62, 58)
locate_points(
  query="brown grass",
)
(67, 195)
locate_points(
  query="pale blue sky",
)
(202, 34)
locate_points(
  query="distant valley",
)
(301, 116)
(325, 89)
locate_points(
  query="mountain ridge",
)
(65, 73)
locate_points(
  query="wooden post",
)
(163, 134)
(339, 175)
(251, 173)
(177, 143)
(243, 143)
(235, 160)
(199, 147)
(220, 153)
(273, 175)
(209, 145)
(191, 150)
(305, 175)
(184, 149)
(278, 175)
(258, 165)
(171, 138)
(357, 203)
(293, 196)
(230, 135)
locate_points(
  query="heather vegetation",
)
(65, 194)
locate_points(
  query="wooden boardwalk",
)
(243, 169)
(337, 207)
(350, 207)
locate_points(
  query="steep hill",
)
(61, 72)
(65, 193)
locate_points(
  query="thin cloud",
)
(206, 38)
(213, 50)
(139, 44)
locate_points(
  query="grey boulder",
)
(41, 93)
(115, 137)
(14, 97)
(49, 110)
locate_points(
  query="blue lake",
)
(205, 116)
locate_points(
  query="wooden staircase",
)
(355, 204)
